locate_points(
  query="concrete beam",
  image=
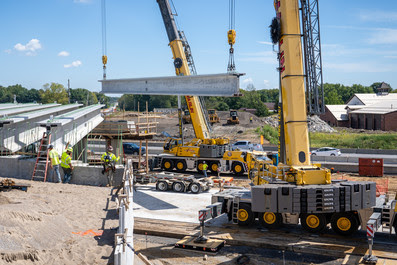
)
(17, 110)
(193, 85)
(73, 126)
(5, 106)
(21, 130)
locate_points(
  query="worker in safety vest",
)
(54, 158)
(205, 167)
(250, 119)
(66, 164)
(109, 159)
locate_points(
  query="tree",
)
(103, 99)
(80, 95)
(222, 106)
(127, 102)
(54, 92)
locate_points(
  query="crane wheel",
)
(395, 228)
(344, 223)
(245, 216)
(270, 220)
(167, 165)
(161, 186)
(313, 222)
(195, 188)
(214, 167)
(237, 168)
(178, 186)
(181, 166)
(200, 167)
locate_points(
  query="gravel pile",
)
(314, 122)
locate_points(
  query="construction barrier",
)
(370, 167)
(124, 243)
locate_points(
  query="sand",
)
(39, 226)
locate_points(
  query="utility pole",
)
(69, 90)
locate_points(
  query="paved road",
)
(155, 150)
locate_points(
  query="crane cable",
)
(231, 36)
(104, 48)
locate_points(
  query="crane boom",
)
(293, 85)
(200, 126)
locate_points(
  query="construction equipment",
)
(231, 37)
(213, 116)
(233, 120)
(40, 169)
(186, 117)
(191, 155)
(176, 182)
(296, 190)
(9, 184)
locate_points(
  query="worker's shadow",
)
(107, 238)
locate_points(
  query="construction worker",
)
(250, 119)
(66, 164)
(54, 157)
(109, 160)
(205, 167)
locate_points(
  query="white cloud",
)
(267, 57)
(63, 53)
(363, 67)
(265, 42)
(73, 64)
(248, 81)
(383, 36)
(266, 83)
(30, 48)
(8, 51)
(378, 16)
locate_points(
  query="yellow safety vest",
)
(109, 157)
(65, 160)
(205, 166)
(55, 157)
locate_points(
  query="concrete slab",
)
(171, 206)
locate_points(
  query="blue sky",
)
(46, 41)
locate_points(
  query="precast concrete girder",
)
(21, 130)
(73, 126)
(5, 106)
(225, 85)
(17, 110)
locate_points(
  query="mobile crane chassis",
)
(297, 190)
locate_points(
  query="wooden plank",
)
(327, 244)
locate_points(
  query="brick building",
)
(380, 116)
(372, 111)
(336, 115)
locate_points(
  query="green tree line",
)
(251, 99)
(52, 92)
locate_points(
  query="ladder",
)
(235, 208)
(42, 160)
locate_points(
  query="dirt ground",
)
(74, 224)
(169, 123)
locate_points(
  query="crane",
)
(296, 190)
(181, 64)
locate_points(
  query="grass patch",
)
(339, 140)
(269, 133)
(354, 140)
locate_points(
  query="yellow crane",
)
(297, 190)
